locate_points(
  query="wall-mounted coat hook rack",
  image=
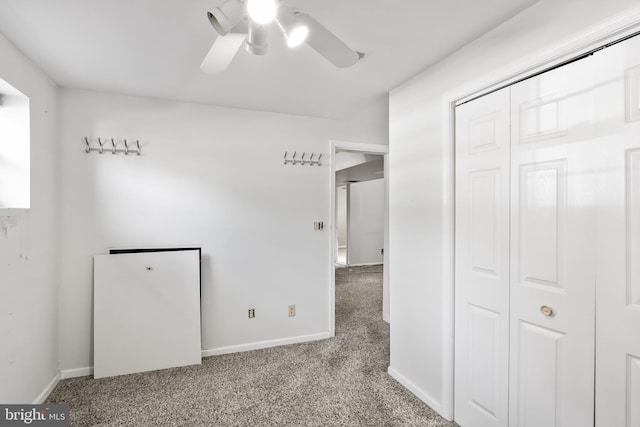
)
(129, 147)
(303, 160)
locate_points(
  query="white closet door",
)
(482, 261)
(618, 236)
(552, 249)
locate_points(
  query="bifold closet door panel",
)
(146, 311)
(552, 249)
(618, 235)
(482, 261)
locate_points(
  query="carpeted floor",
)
(340, 381)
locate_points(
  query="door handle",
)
(546, 311)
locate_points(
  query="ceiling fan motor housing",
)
(257, 39)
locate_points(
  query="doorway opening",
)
(359, 213)
(360, 208)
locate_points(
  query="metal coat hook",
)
(287, 161)
(128, 146)
(304, 160)
(308, 161)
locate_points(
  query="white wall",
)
(366, 222)
(28, 291)
(341, 214)
(208, 176)
(419, 156)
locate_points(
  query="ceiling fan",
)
(248, 22)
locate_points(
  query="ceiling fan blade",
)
(327, 44)
(222, 52)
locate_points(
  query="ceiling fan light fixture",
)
(296, 35)
(262, 11)
(294, 31)
(226, 16)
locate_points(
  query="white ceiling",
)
(346, 159)
(357, 167)
(366, 171)
(155, 47)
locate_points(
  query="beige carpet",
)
(340, 381)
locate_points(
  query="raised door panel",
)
(484, 132)
(632, 203)
(541, 358)
(484, 227)
(618, 235)
(632, 92)
(543, 202)
(632, 400)
(484, 355)
(482, 261)
(543, 117)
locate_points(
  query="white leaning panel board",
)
(146, 311)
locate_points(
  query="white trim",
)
(347, 255)
(47, 390)
(448, 258)
(77, 372)
(386, 291)
(264, 344)
(358, 147)
(83, 372)
(593, 37)
(421, 394)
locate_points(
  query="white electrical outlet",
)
(252, 313)
(292, 310)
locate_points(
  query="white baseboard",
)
(409, 385)
(264, 344)
(47, 390)
(365, 264)
(83, 372)
(74, 373)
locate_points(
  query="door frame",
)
(353, 147)
(347, 188)
(613, 29)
